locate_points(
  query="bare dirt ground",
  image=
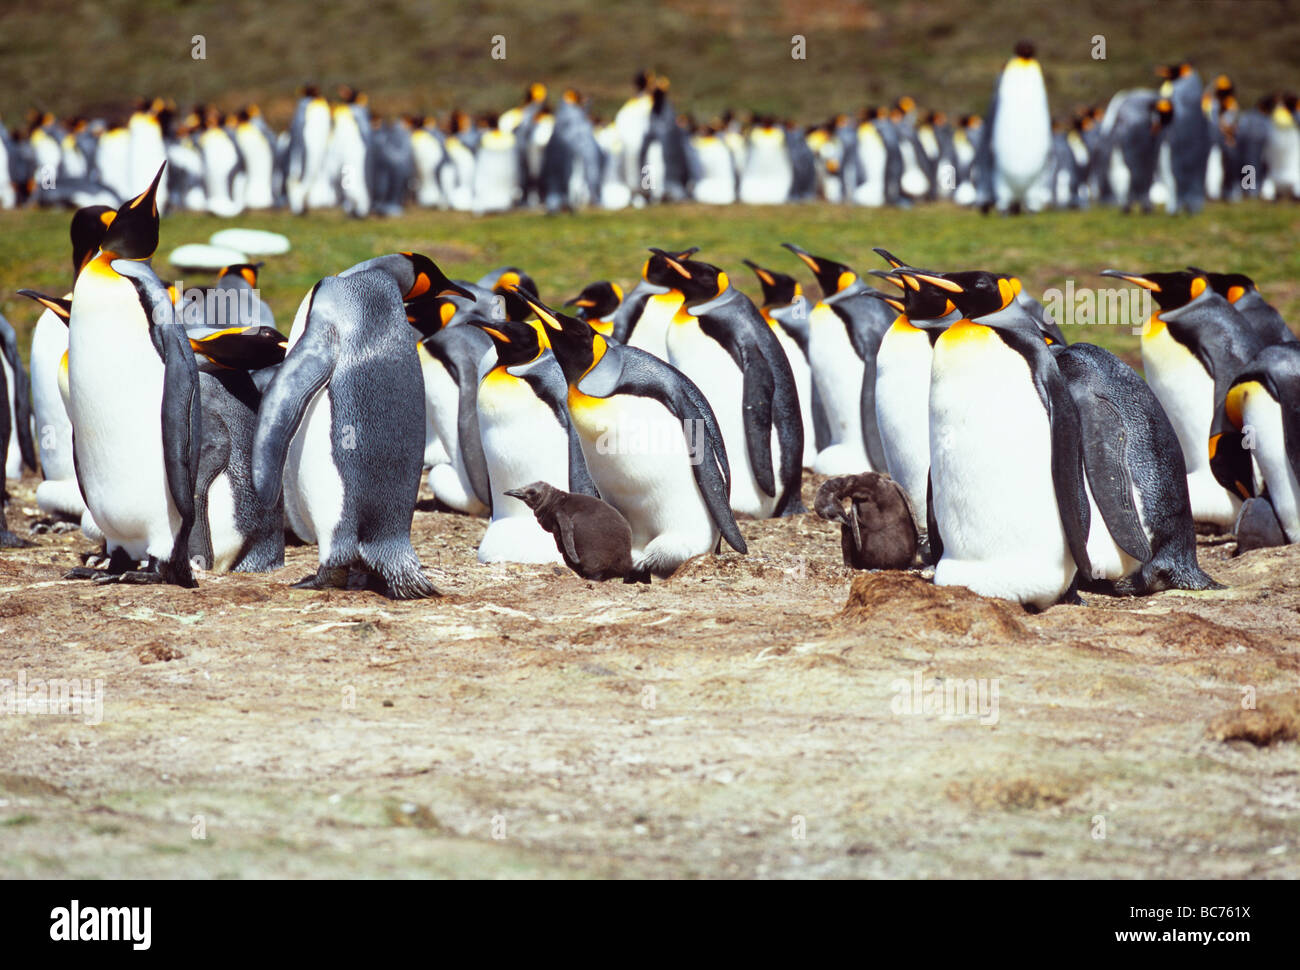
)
(739, 719)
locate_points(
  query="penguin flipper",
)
(758, 388)
(306, 369)
(580, 481)
(1067, 458)
(182, 435)
(565, 526)
(871, 442)
(931, 523)
(22, 393)
(471, 444)
(1105, 462)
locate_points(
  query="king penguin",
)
(526, 436)
(137, 473)
(1240, 290)
(341, 431)
(1020, 134)
(1264, 401)
(719, 340)
(651, 443)
(1192, 347)
(786, 311)
(18, 401)
(1009, 514)
(597, 304)
(642, 320)
(845, 329)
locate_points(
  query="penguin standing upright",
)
(526, 436)
(1141, 538)
(767, 176)
(786, 311)
(1282, 148)
(651, 443)
(1009, 514)
(258, 154)
(223, 167)
(1192, 347)
(642, 320)
(137, 473)
(720, 341)
(147, 150)
(306, 181)
(498, 184)
(845, 329)
(632, 123)
(1264, 400)
(1020, 134)
(1188, 139)
(341, 431)
(716, 184)
(20, 449)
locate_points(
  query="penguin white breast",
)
(1185, 390)
(837, 370)
(637, 455)
(1022, 130)
(522, 440)
(53, 429)
(313, 488)
(1263, 415)
(13, 454)
(227, 541)
(990, 462)
(651, 331)
(116, 384)
(903, 410)
(707, 363)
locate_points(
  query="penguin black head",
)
(1169, 290)
(974, 293)
(133, 233)
(778, 288)
(1025, 50)
(696, 281)
(656, 261)
(512, 278)
(576, 345)
(244, 271)
(597, 300)
(831, 276)
(516, 342)
(242, 348)
(89, 225)
(920, 296)
(1231, 286)
(428, 280)
(1164, 112)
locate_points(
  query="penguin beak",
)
(61, 308)
(940, 282)
(133, 233)
(888, 277)
(1146, 284)
(888, 257)
(884, 298)
(803, 254)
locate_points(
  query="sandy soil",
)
(743, 718)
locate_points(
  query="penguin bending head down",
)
(592, 536)
(341, 430)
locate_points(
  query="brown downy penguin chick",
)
(592, 536)
(877, 531)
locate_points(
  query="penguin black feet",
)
(323, 578)
(638, 576)
(97, 565)
(10, 540)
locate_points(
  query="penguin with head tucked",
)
(597, 304)
(1009, 514)
(137, 473)
(1142, 538)
(526, 436)
(1240, 290)
(651, 443)
(1262, 407)
(449, 357)
(720, 341)
(1192, 347)
(845, 328)
(786, 311)
(341, 430)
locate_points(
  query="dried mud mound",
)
(906, 605)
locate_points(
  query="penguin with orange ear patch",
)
(1192, 348)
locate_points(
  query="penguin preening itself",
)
(877, 530)
(651, 443)
(1009, 513)
(845, 329)
(1192, 347)
(592, 536)
(137, 473)
(341, 430)
(525, 432)
(1263, 402)
(720, 341)
(1142, 538)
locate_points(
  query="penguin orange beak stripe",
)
(765, 276)
(678, 267)
(497, 334)
(545, 315)
(940, 282)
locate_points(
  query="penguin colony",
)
(1176, 145)
(962, 431)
